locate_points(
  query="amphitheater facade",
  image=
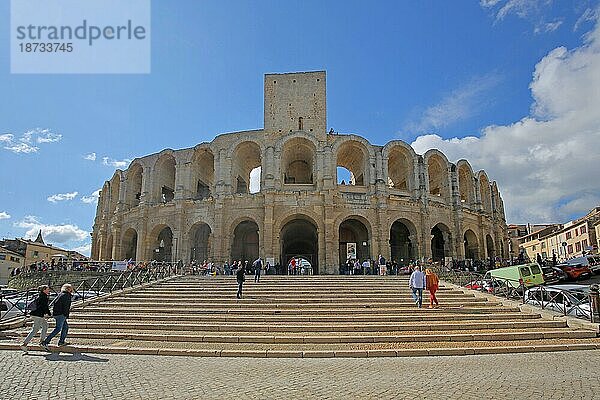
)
(275, 193)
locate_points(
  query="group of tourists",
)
(40, 311)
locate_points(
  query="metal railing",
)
(16, 305)
(567, 302)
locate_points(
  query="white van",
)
(592, 261)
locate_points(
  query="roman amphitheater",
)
(275, 192)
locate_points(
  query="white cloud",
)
(90, 157)
(588, 15)
(85, 249)
(93, 198)
(456, 106)
(547, 27)
(24, 144)
(62, 197)
(546, 164)
(254, 186)
(4, 215)
(57, 234)
(109, 162)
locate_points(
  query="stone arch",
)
(202, 173)
(104, 199)
(471, 244)
(437, 173)
(466, 185)
(133, 185)
(246, 158)
(489, 245)
(108, 248)
(115, 187)
(403, 241)
(161, 243)
(353, 155)
(298, 160)
(299, 237)
(200, 241)
(245, 241)
(485, 192)
(354, 229)
(129, 244)
(400, 159)
(441, 242)
(495, 197)
(164, 178)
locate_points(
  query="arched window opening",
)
(297, 161)
(471, 245)
(244, 246)
(203, 173)
(165, 179)
(400, 169)
(246, 169)
(438, 177)
(351, 156)
(133, 185)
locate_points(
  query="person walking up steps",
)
(416, 283)
(39, 312)
(257, 269)
(241, 277)
(432, 283)
(60, 311)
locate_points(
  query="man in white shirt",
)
(417, 283)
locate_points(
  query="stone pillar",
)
(183, 180)
(147, 186)
(269, 171)
(116, 245)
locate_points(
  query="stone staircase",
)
(309, 316)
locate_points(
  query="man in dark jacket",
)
(60, 311)
(240, 275)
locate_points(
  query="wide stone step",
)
(260, 290)
(294, 318)
(286, 295)
(318, 327)
(269, 310)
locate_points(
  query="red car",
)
(575, 271)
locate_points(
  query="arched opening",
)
(471, 245)
(489, 244)
(162, 244)
(401, 247)
(486, 195)
(133, 185)
(351, 156)
(438, 177)
(440, 242)
(244, 246)
(203, 174)
(400, 169)
(129, 244)
(108, 249)
(246, 159)
(299, 239)
(297, 160)
(200, 242)
(115, 186)
(164, 191)
(354, 241)
(465, 185)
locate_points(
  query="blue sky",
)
(493, 81)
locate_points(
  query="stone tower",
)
(296, 102)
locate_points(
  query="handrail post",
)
(594, 303)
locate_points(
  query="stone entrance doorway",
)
(245, 242)
(299, 238)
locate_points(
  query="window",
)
(2, 256)
(578, 246)
(583, 229)
(569, 235)
(36, 253)
(525, 271)
(543, 245)
(570, 249)
(533, 247)
(584, 243)
(535, 269)
(576, 232)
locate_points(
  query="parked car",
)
(554, 275)
(527, 274)
(575, 271)
(567, 299)
(591, 261)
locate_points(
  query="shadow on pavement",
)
(69, 357)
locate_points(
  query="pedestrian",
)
(357, 267)
(241, 277)
(366, 265)
(416, 283)
(39, 311)
(60, 311)
(432, 283)
(257, 269)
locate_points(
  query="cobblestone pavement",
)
(571, 375)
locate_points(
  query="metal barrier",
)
(16, 305)
(574, 303)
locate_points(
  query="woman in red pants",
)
(432, 283)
